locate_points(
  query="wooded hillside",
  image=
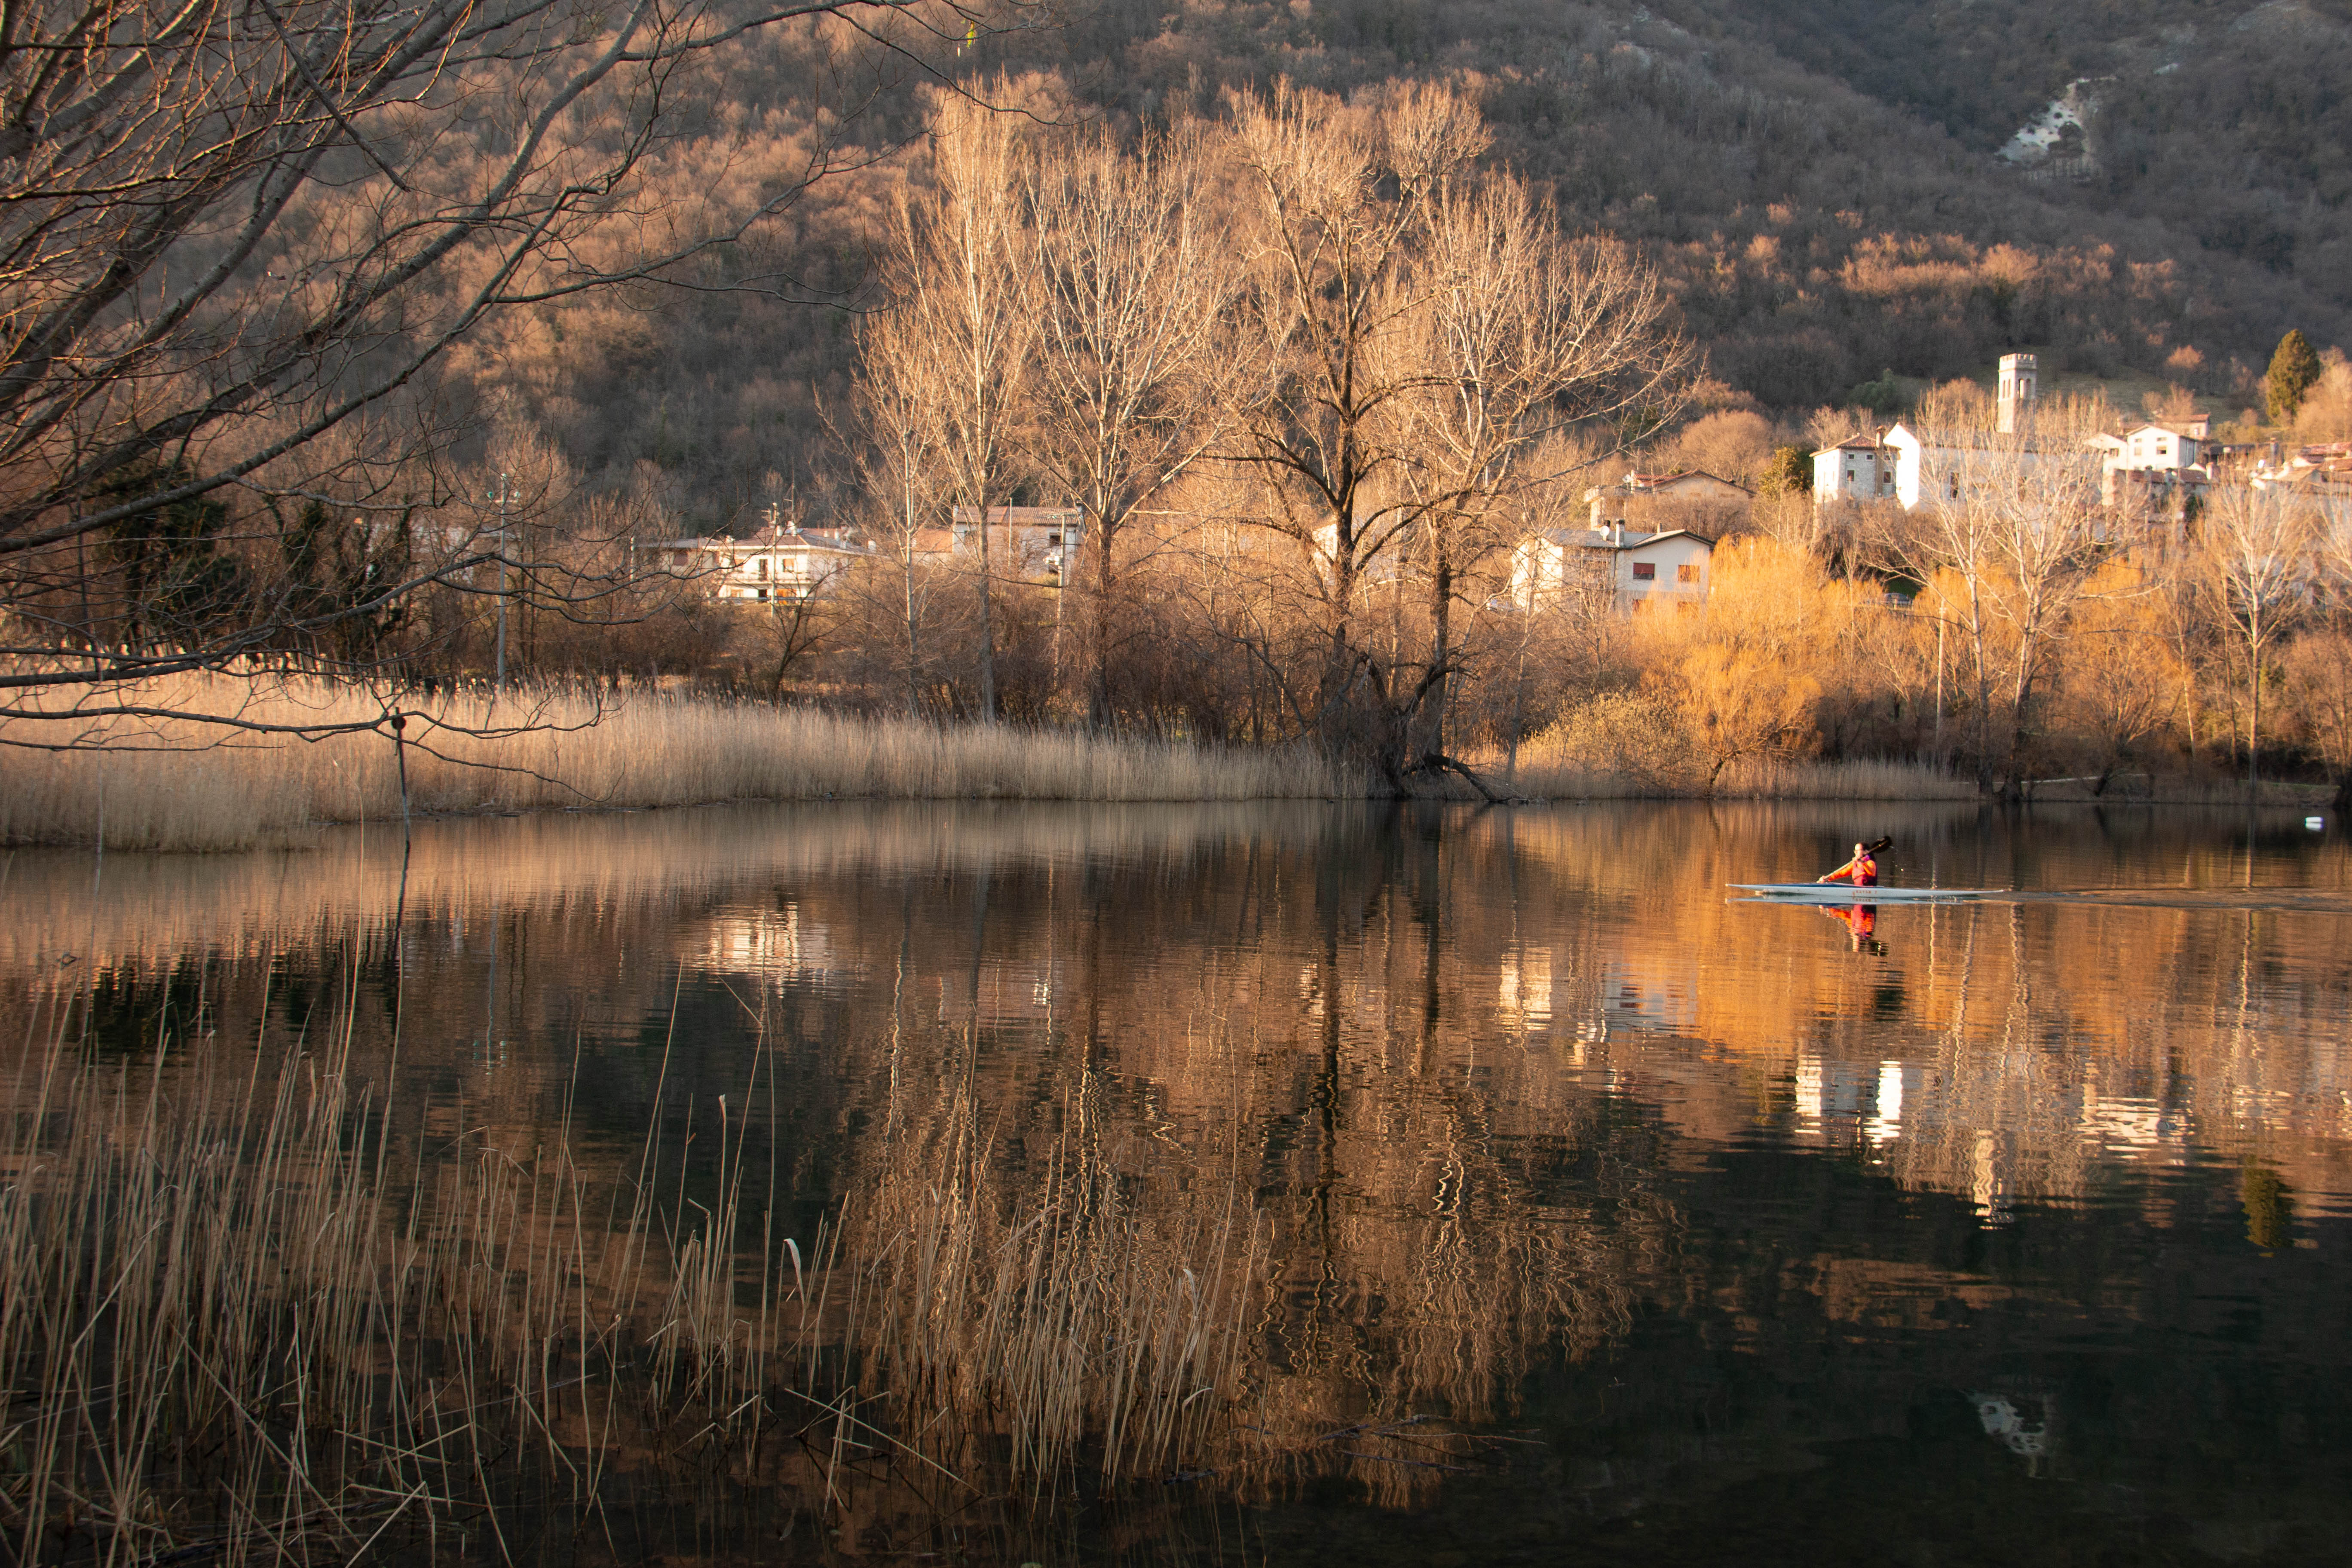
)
(1816, 183)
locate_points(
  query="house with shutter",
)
(1635, 569)
(781, 560)
(1860, 469)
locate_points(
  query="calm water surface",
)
(2010, 1230)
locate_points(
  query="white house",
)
(1904, 465)
(783, 561)
(1639, 569)
(2175, 444)
(1022, 541)
(2154, 465)
(1934, 472)
(1860, 468)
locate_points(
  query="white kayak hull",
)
(1847, 893)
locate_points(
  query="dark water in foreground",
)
(2010, 1231)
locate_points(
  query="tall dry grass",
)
(179, 783)
(234, 1324)
(243, 1315)
(1862, 778)
(1077, 1323)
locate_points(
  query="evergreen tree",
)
(173, 584)
(333, 570)
(1790, 472)
(2293, 371)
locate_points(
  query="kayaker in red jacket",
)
(1862, 870)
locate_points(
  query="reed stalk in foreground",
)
(1075, 1326)
(241, 1315)
(231, 1324)
(180, 784)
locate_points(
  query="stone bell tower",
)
(2018, 376)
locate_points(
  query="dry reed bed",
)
(1077, 1324)
(180, 783)
(231, 1326)
(240, 1315)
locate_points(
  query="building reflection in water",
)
(1477, 1078)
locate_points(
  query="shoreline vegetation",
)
(261, 1306)
(179, 783)
(252, 1312)
(1083, 523)
(182, 783)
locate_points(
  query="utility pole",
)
(504, 493)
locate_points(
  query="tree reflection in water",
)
(1293, 1155)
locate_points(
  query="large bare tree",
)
(1337, 197)
(961, 264)
(1419, 325)
(1526, 334)
(1133, 364)
(236, 236)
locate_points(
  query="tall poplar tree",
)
(2293, 371)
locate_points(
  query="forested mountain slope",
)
(1818, 181)
(2231, 122)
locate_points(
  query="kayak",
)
(1847, 893)
(1823, 895)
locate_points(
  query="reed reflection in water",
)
(1312, 1146)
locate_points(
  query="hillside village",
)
(2156, 468)
(1647, 538)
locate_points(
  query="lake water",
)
(1605, 1217)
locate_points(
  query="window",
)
(1645, 571)
(1687, 572)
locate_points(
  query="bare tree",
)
(961, 267)
(1419, 328)
(1133, 367)
(234, 231)
(514, 497)
(1522, 335)
(1340, 194)
(2258, 551)
(899, 471)
(2006, 534)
